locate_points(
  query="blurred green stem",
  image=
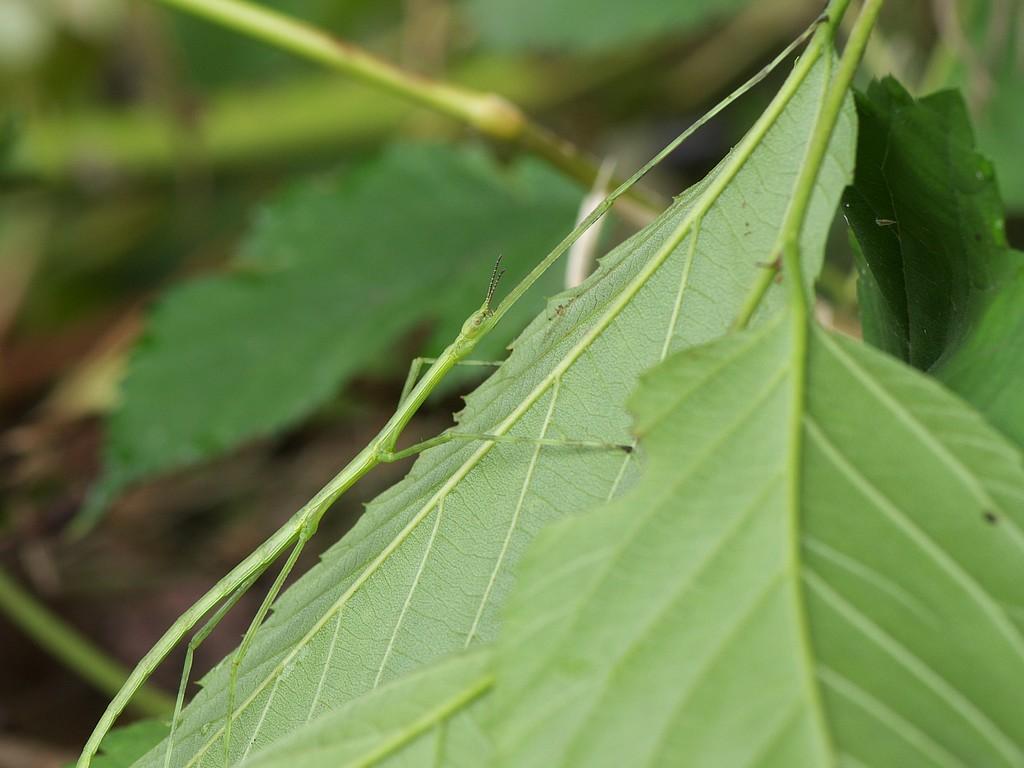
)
(490, 114)
(232, 129)
(73, 650)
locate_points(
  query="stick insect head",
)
(481, 321)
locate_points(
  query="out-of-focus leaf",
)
(854, 599)
(426, 570)
(987, 46)
(939, 286)
(334, 272)
(590, 25)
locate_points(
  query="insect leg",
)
(194, 643)
(305, 533)
(447, 437)
(417, 365)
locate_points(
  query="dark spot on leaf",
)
(990, 517)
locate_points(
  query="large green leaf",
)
(429, 565)
(333, 274)
(589, 25)
(939, 286)
(795, 581)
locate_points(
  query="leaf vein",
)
(916, 666)
(514, 521)
(408, 597)
(913, 531)
(920, 431)
(887, 717)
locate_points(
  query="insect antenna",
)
(496, 275)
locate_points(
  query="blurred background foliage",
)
(217, 260)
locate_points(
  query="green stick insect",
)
(301, 527)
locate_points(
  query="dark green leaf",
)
(333, 274)
(938, 284)
(926, 212)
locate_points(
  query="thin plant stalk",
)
(800, 298)
(73, 650)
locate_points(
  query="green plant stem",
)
(881, 57)
(800, 312)
(311, 113)
(800, 303)
(77, 653)
(788, 256)
(490, 114)
(796, 214)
